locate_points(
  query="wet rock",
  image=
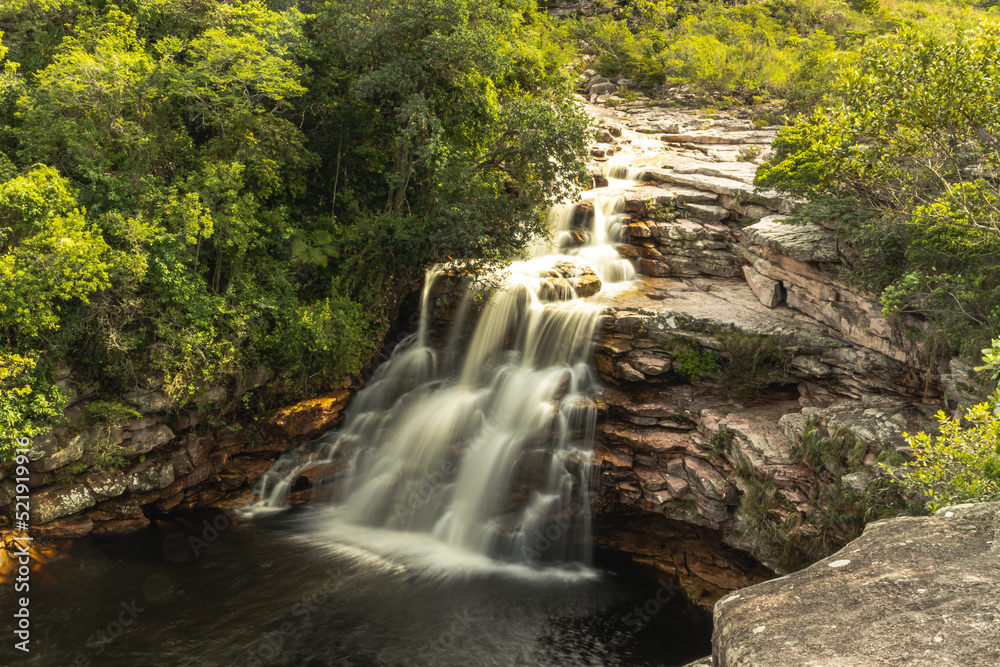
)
(915, 591)
(120, 526)
(588, 285)
(311, 417)
(598, 178)
(76, 526)
(569, 279)
(55, 502)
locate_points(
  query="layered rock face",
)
(739, 348)
(86, 477)
(918, 591)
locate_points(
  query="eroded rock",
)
(915, 591)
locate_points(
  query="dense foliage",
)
(911, 150)
(191, 190)
(961, 462)
(788, 49)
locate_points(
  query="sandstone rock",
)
(120, 526)
(649, 364)
(804, 242)
(594, 80)
(60, 455)
(106, 485)
(602, 88)
(55, 502)
(915, 591)
(118, 508)
(756, 212)
(716, 137)
(766, 289)
(722, 186)
(709, 212)
(73, 527)
(704, 662)
(706, 481)
(311, 417)
(588, 285)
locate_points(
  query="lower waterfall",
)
(484, 445)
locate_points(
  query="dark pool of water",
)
(277, 591)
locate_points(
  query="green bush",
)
(693, 361)
(29, 404)
(961, 464)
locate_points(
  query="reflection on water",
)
(283, 593)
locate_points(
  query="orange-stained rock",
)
(310, 418)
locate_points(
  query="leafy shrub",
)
(29, 404)
(693, 361)
(960, 465)
(834, 452)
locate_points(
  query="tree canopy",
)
(190, 191)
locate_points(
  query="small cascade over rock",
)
(485, 444)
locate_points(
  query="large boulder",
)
(804, 242)
(915, 591)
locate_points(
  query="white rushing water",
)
(484, 445)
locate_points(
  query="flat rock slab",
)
(709, 305)
(715, 136)
(911, 591)
(805, 242)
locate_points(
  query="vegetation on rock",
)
(910, 149)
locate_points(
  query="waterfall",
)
(486, 449)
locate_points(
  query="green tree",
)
(913, 141)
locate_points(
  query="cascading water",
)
(487, 451)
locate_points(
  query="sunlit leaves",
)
(960, 465)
